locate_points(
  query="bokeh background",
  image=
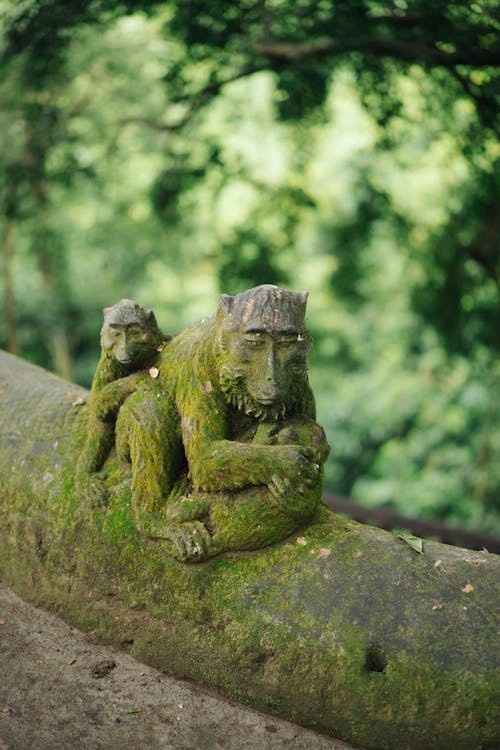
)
(171, 151)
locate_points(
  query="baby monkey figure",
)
(130, 343)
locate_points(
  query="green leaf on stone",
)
(413, 541)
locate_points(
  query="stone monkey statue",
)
(130, 344)
(241, 401)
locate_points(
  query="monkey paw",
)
(298, 500)
(188, 541)
(91, 490)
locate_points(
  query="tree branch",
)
(150, 123)
(379, 45)
(194, 103)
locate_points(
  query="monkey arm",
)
(111, 396)
(216, 463)
(230, 465)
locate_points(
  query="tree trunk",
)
(342, 627)
(8, 287)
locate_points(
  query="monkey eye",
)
(253, 339)
(134, 330)
(114, 332)
(288, 340)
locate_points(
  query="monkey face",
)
(263, 345)
(131, 345)
(266, 362)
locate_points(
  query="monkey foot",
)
(91, 490)
(188, 541)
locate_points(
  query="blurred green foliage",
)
(170, 151)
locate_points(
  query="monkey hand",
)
(139, 381)
(302, 430)
(291, 498)
(112, 396)
(188, 541)
(296, 464)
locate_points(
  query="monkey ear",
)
(226, 303)
(106, 310)
(303, 297)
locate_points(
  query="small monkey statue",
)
(130, 343)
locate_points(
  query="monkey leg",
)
(148, 436)
(187, 507)
(89, 486)
(256, 516)
(98, 443)
(251, 518)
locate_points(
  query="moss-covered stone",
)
(339, 627)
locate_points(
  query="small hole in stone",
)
(376, 660)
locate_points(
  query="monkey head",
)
(130, 334)
(262, 349)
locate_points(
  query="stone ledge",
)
(342, 627)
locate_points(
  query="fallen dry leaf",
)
(438, 605)
(80, 401)
(301, 541)
(162, 346)
(2, 622)
(154, 372)
(359, 553)
(437, 563)
(324, 553)
(6, 710)
(475, 562)
(468, 588)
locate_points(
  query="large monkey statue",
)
(243, 406)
